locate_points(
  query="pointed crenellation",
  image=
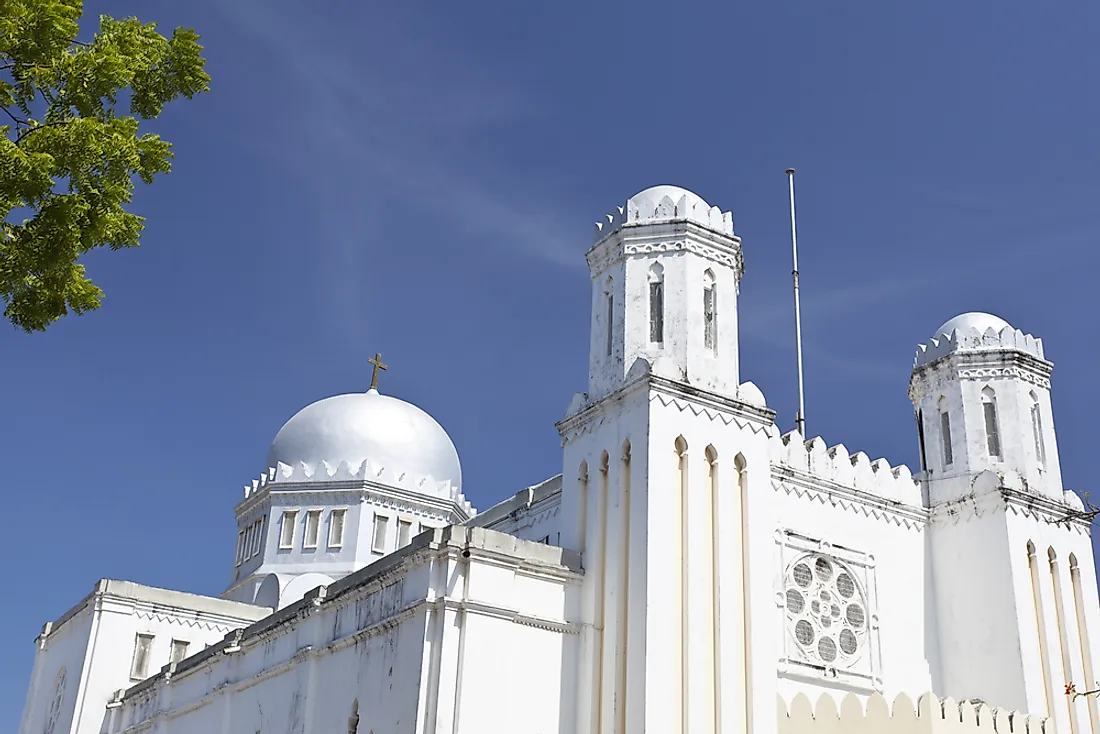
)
(930, 713)
(972, 339)
(835, 464)
(364, 472)
(655, 205)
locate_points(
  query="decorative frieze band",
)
(605, 257)
(183, 621)
(850, 500)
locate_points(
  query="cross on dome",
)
(378, 365)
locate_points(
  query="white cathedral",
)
(691, 570)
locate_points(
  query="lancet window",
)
(992, 431)
(945, 433)
(610, 317)
(1037, 431)
(710, 312)
(657, 304)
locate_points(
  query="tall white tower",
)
(665, 273)
(1011, 556)
(662, 456)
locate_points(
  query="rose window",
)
(826, 611)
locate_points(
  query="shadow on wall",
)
(279, 590)
(931, 629)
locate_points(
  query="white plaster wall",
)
(417, 640)
(1017, 438)
(66, 648)
(595, 608)
(664, 697)
(113, 648)
(1050, 479)
(541, 524)
(977, 605)
(533, 513)
(963, 397)
(1064, 541)
(97, 645)
(948, 482)
(356, 551)
(490, 697)
(906, 640)
(280, 684)
(986, 615)
(682, 354)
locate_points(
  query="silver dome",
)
(358, 427)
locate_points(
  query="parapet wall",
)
(857, 471)
(364, 472)
(929, 714)
(973, 339)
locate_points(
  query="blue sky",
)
(421, 179)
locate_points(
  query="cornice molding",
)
(985, 364)
(194, 623)
(643, 239)
(680, 395)
(590, 417)
(354, 491)
(809, 487)
(1020, 503)
(714, 405)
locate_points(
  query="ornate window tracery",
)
(827, 596)
(826, 610)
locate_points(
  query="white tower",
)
(982, 394)
(1011, 557)
(351, 478)
(665, 272)
(661, 458)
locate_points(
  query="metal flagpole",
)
(800, 418)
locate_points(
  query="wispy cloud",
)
(396, 116)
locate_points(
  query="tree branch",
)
(15, 119)
(28, 131)
(1071, 690)
(1088, 514)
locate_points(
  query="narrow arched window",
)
(1037, 431)
(920, 441)
(989, 413)
(710, 312)
(582, 515)
(657, 304)
(945, 433)
(610, 299)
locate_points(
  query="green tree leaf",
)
(68, 159)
